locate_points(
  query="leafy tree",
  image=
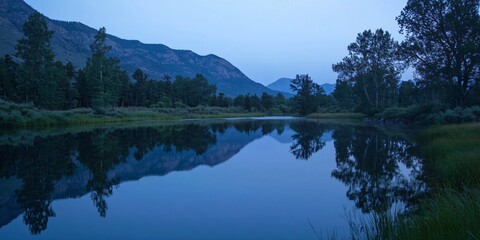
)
(373, 68)
(102, 73)
(442, 42)
(343, 94)
(36, 51)
(308, 94)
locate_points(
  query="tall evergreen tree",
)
(102, 73)
(36, 51)
(267, 101)
(84, 94)
(8, 78)
(140, 87)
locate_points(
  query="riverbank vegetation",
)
(442, 45)
(14, 115)
(452, 161)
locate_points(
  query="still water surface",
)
(261, 178)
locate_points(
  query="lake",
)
(256, 178)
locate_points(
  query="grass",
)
(448, 215)
(26, 116)
(452, 156)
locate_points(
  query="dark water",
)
(222, 179)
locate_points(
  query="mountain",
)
(283, 85)
(328, 87)
(71, 42)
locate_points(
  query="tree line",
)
(442, 44)
(37, 78)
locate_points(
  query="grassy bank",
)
(27, 116)
(453, 212)
(453, 155)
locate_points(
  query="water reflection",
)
(307, 139)
(371, 163)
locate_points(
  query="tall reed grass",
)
(452, 157)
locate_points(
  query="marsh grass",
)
(449, 215)
(453, 155)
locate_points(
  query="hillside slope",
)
(71, 42)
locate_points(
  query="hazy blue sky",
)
(266, 39)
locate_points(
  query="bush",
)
(456, 115)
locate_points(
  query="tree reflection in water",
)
(307, 139)
(370, 163)
(39, 167)
(41, 161)
(379, 170)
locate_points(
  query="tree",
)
(8, 78)
(407, 94)
(280, 99)
(193, 92)
(239, 101)
(442, 42)
(140, 87)
(343, 94)
(36, 51)
(83, 89)
(102, 73)
(267, 101)
(308, 94)
(61, 96)
(373, 68)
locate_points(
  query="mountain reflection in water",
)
(379, 168)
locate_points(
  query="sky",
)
(265, 39)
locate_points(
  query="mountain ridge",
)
(283, 85)
(71, 42)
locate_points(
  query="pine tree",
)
(140, 87)
(8, 78)
(102, 74)
(36, 51)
